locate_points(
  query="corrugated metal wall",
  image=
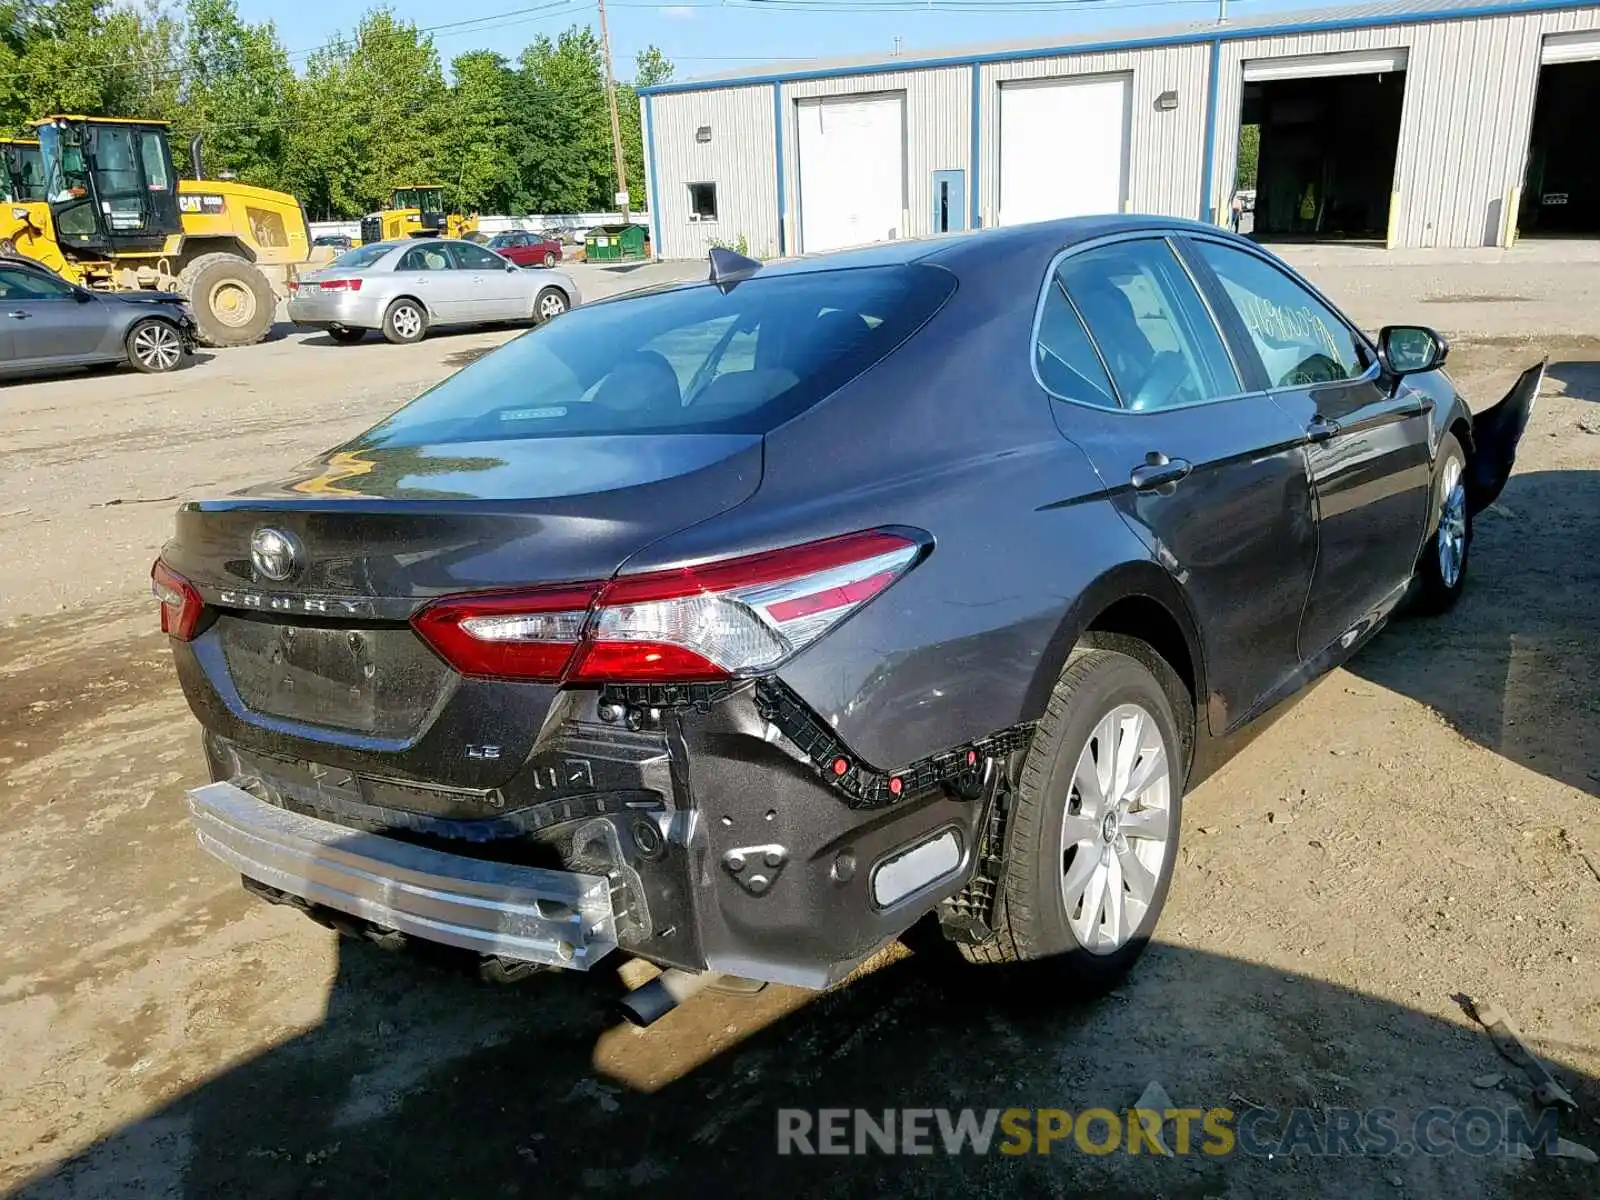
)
(1464, 123)
(1166, 151)
(1464, 126)
(938, 134)
(740, 159)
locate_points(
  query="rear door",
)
(1209, 473)
(1367, 438)
(48, 319)
(429, 272)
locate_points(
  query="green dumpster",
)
(615, 243)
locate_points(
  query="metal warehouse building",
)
(1461, 125)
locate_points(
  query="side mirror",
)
(1411, 349)
(511, 267)
(82, 295)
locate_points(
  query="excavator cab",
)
(428, 201)
(110, 184)
(23, 177)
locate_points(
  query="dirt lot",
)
(1421, 826)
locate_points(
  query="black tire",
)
(344, 336)
(412, 328)
(549, 259)
(232, 301)
(549, 304)
(154, 347)
(1434, 591)
(1033, 924)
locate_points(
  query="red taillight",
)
(341, 285)
(721, 620)
(181, 605)
(294, 285)
(523, 635)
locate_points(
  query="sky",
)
(704, 37)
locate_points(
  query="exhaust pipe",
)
(194, 155)
(647, 1004)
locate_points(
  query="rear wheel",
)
(405, 322)
(232, 301)
(549, 304)
(1094, 828)
(1442, 573)
(154, 347)
(346, 337)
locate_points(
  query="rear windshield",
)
(362, 256)
(690, 360)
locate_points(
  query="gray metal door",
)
(497, 294)
(428, 273)
(949, 201)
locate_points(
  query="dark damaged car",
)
(739, 625)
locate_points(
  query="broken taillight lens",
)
(721, 620)
(181, 605)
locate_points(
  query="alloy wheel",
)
(1115, 829)
(407, 321)
(551, 305)
(1452, 524)
(157, 347)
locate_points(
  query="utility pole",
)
(616, 124)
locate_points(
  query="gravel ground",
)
(1422, 826)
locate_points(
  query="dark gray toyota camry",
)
(738, 625)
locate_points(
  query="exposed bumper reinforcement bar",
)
(556, 918)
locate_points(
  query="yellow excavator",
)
(23, 178)
(416, 211)
(112, 214)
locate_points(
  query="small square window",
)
(702, 202)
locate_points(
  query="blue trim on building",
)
(974, 167)
(652, 182)
(1208, 157)
(777, 141)
(1198, 37)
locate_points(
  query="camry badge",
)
(275, 554)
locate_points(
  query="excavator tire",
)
(233, 303)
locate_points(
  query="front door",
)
(1366, 437)
(497, 293)
(1207, 473)
(48, 319)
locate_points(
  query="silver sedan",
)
(405, 288)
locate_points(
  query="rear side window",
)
(1150, 325)
(687, 360)
(424, 258)
(361, 256)
(1067, 364)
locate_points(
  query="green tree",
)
(368, 117)
(561, 127)
(1249, 156)
(480, 170)
(236, 89)
(651, 67)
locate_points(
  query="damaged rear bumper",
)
(556, 918)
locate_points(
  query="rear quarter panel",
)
(952, 435)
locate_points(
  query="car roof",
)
(965, 251)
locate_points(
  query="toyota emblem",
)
(275, 554)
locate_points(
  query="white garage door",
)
(1571, 47)
(1063, 148)
(1320, 66)
(852, 171)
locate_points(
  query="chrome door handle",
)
(1321, 429)
(1159, 472)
